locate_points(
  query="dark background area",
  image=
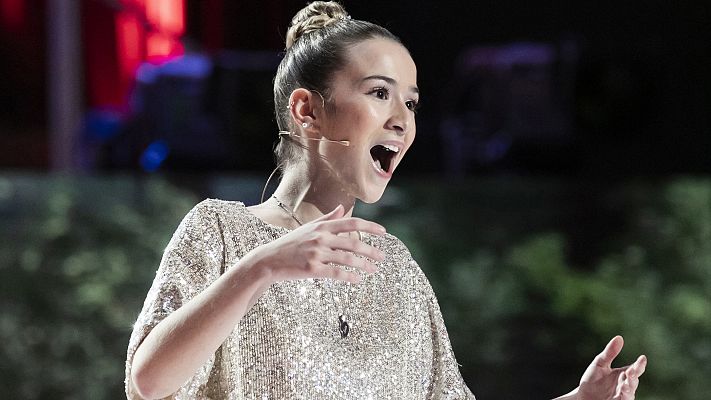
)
(642, 90)
(634, 97)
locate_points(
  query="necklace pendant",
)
(343, 325)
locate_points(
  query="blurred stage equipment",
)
(122, 34)
(508, 105)
(188, 109)
(64, 102)
(199, 113)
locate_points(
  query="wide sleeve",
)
(193, 259)
(447, 382)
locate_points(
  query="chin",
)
(372, 197)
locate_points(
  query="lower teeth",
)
(377, 165)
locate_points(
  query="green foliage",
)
(531, 285)
(523, 319)
(78, 255)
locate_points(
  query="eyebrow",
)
(389, 80)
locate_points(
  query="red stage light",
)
(12, 14)
(168, 20)
(147, 30)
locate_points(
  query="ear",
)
(302, 106)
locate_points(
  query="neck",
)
(310, 195)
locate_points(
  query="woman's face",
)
(372, 104)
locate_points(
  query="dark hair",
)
(316, 43)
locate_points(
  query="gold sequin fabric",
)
(290, 343)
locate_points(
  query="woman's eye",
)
(412, 105)
(380, 93)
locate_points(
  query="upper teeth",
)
(391, 147)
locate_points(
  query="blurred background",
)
(558, 192)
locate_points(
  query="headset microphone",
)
(292, 134)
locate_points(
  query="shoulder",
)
(217, 206)
(209, 216)
(213, 211)
(391, 244)
(398, 254)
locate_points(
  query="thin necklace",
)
(287, 209)
(344, 327)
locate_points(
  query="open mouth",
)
(383, 156)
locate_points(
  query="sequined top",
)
(291, 344)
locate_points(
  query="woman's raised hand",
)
(307, 251)
(602, 382)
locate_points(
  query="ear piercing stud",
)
(305, 125)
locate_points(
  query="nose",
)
(399, 121)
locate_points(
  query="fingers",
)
(355, 246)
(632, 381)
(337, 212)
(628, 380)
(335, 223)
(623, 391)
(613, 348)
(341, 274)
(343, 258)
(326, 247)
(347, 258)
(636, 370)
(352, 224)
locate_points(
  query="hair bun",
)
(313, 17)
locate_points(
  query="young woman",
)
(294, 298)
